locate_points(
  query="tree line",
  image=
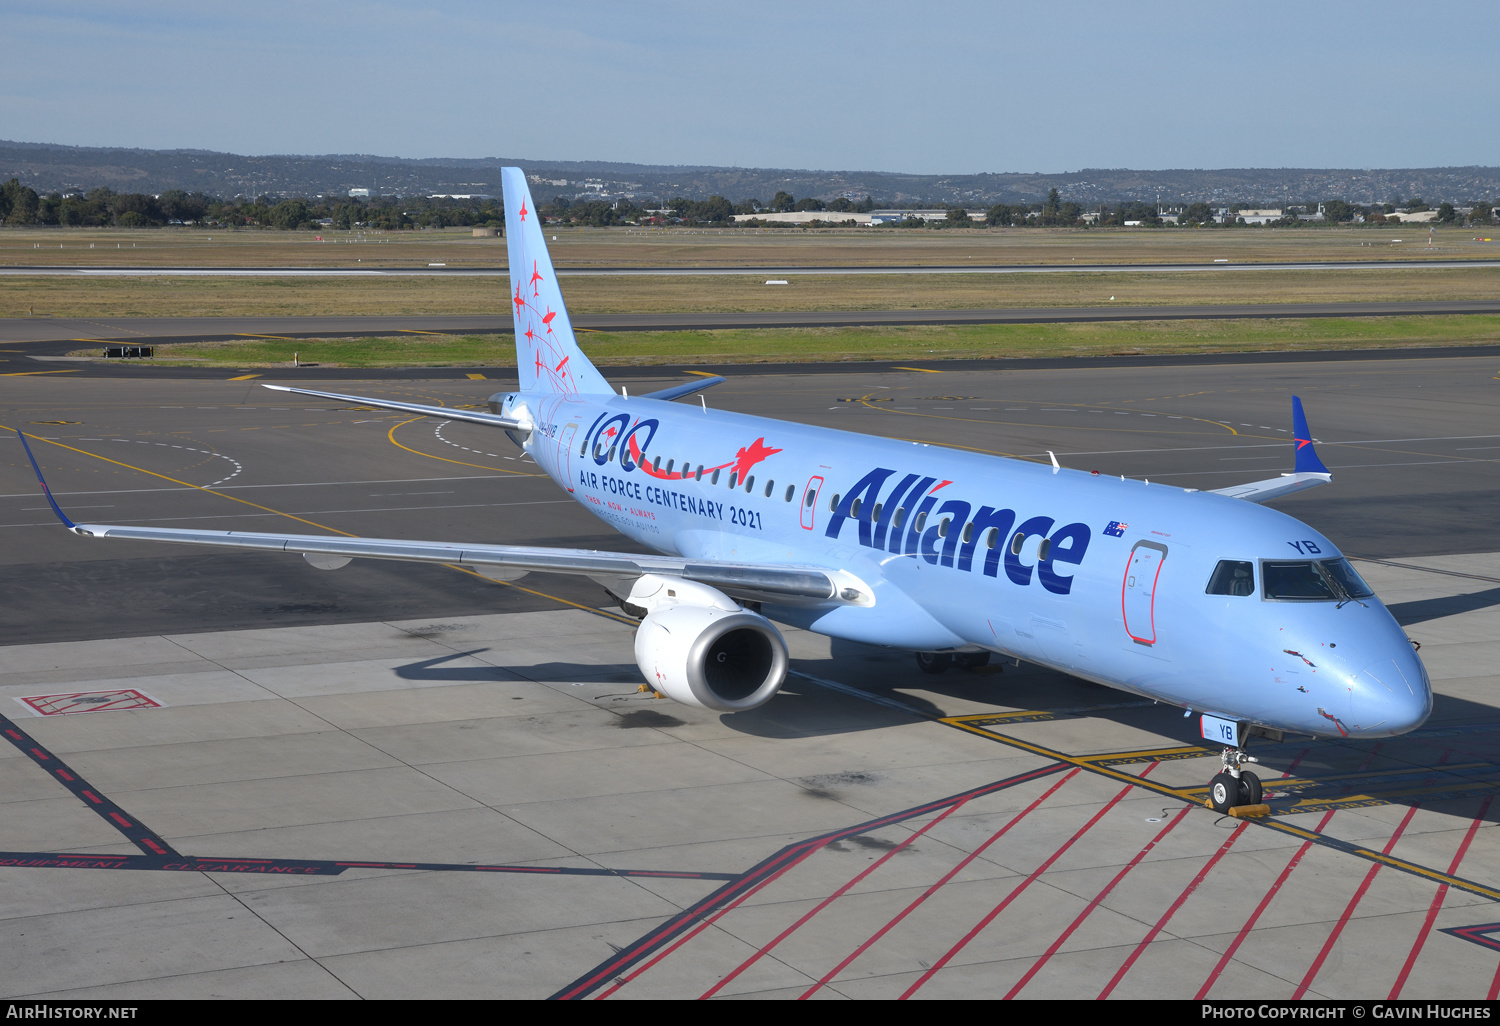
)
(20, 205)
(103, 207)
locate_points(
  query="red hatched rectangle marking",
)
(88, 701)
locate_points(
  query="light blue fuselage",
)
(1119, 599)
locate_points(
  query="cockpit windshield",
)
(1329, 580)
(1344, 575)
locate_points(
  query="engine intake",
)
(727, 660)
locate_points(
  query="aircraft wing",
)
(756, 582)
(1307, 472)
(751, 581)
(472, 416)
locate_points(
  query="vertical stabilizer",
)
(547, 356)
(1306, 455)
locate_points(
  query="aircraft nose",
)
(1392, 694)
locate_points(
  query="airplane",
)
(1204, 600)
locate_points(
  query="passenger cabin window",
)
(715, 478)
(1232, 577)
(792, 490)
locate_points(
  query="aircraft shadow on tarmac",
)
(1422, 610)
(1451, 764)
(435, 670)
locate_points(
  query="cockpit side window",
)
(1232, 577)
(1295, 580)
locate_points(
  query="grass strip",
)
(799, 345)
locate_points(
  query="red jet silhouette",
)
(750, 456)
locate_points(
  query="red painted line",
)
(1171, 911)
(1239, 939)
(120, 819)
(520, 869)
(1061, 940)
(892, 853)
(361, 865)
(39, 753)
(1338, 928)
(709, 921)
(14, 734)
(1437, 900)
(91, 796)
(755, 880)
(934, 888)
(1494, 986)
(63, 773)
(1018, 889)
(153, 846)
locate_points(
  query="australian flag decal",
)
(1116, 529)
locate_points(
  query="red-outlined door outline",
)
(567, 452)
(810, 509)
(1138, 590)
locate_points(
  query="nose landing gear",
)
(1233, 787)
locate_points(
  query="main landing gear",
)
(938, 662)
(1233, 786)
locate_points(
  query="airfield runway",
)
(235, 775)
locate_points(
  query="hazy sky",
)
(955, 87)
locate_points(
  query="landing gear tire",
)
(934, 662)
(1250, 789)
(971, 660)
(1224, 792)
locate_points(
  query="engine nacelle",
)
(715, 655)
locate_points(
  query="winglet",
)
(1307, 456)
(43, 482)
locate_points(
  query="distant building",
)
(804, 216)
(1417, 217)
(359, 193)
(1258, 216)
(460, 195)
(897, 216)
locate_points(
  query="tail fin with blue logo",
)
(1308, 470)
(547, 355)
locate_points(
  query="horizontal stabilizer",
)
(472, 416)
(686, 388)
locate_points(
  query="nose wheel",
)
(1234, 786)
